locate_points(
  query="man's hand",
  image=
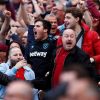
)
(21, 63)
(82, 5)
(9, 35)
(54, 10)
(7, 13)
(31, 18)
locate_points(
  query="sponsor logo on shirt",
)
(38, 54)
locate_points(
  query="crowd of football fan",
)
(49, 49)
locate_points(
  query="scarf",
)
(59, 63)
(20, 73)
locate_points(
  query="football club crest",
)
(45, 45)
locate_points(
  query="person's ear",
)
(77, 19)
(45, 30)
(8, 57)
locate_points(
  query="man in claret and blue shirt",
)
(40, 53)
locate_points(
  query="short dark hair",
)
(46, 24)
(76, 12)
(79, 69)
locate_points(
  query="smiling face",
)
(68, 39)
(54, 24)
(53, 21)
(70, 21)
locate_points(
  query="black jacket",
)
(78, 56)
(5, 79)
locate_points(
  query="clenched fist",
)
(21, 63)
(7, 13)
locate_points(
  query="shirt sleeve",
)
(29, 74)
(30, 34)
(11, 72)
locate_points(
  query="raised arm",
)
(36, 7)
(6, 23)
(23, 14)
(88, 19)
(86, 14)
(92, 8)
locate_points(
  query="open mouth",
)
(23, 42)
(69, 43)
(35, 33)
(53, 28)
(66, 24)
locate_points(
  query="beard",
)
(13, 62)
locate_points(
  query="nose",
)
(34, 26)
(53, 23)
(34, 29)
(19, 57)
(69, 38)
(65, 20)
